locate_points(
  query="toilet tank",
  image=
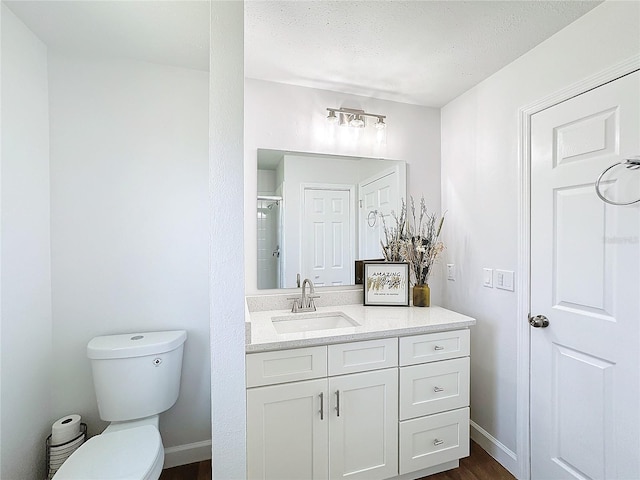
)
(136, 375)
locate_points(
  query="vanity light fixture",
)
(353, 118)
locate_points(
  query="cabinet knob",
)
(438, 347)
(438, 389)
(437, 442)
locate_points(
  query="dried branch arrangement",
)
(414, 239)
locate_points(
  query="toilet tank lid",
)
(135, 344)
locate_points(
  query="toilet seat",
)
(130, 454)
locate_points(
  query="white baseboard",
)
(185, 454)
(504, 456)
(199, 451)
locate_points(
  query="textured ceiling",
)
(420, 52)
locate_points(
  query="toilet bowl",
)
(128, 454)
(136, 377)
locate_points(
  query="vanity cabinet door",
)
(287, 431)
(363, 426)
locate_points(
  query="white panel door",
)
(377, 196)
(585, 278)
(327, 244)
(287, 435)
(363, 427)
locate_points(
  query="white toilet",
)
(136, 377)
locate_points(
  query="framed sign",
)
(386, 283)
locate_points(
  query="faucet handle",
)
(296, 304)
(311, 302)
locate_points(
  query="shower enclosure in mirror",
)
(318, 214)
(269, 238)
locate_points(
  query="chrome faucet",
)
(304, 303)
(307, 301)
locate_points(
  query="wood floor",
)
(193, 471)
(479, 466)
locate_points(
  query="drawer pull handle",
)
(322, 406)
(438, 347)
(438, 389)
(338, 402)
(437, 442)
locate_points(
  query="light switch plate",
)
(451, 271)
(487, 277)
(504, 279)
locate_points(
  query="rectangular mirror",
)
(318, 214)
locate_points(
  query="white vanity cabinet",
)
(434, 400)
(374, 410)
(343, 425)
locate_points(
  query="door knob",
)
(539, 321)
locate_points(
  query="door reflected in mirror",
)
(318, 214)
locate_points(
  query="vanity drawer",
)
(362, 356)
(434, 387)
(432, 347)
(432, 440)
(269, 368)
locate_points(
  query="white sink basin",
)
(309, 322)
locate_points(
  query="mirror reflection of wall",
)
(318, 214)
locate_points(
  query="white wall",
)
(226, 279)
(129, 216)
(480, 193)
(286, 117)
(25, 350)
(266, 182)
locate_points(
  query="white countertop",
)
(375, 322)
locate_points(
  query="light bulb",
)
(331, 118)
(357, 121)
(380, 123)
